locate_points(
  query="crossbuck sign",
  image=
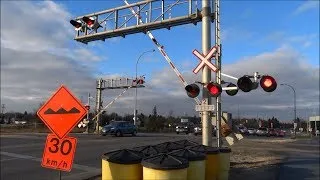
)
(205, 60)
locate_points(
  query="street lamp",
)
(135, 105)
(295, 108)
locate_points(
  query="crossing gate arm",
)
(162, 51)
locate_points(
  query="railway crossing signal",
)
(214, 89)
(268, 83)
(193, 90)
(91, 22)
(245, 84)
(78, 26)
(232, 92)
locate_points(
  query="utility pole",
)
(2, 112)
(206, 73)
(98, 103)
(218, 73)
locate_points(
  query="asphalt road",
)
(21, 154)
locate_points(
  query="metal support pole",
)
(295, 105)
(87, 129)
(206, 73)
(218, 74)
(98, 103)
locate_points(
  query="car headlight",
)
(104, 130)
(112, 128)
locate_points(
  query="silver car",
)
(252, 131)
(262, 131)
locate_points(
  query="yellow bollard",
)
(122, 164)
(224, 163)
(212, 160)
(197, 163)
(165, 167)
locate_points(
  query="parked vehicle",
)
(198, 130)
(183, 129)
(243, 130)
(252, 131)
(262, 131)
(280, 132)
(119, 128)
(273, 132)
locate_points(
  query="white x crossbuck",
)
(205, 60)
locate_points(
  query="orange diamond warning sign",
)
(62, 112)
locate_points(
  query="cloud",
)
(285, 64)
(306, 6)
(35, 54)
(301, 40)
(33, 65)
(33, 26)
(231, 34)
(40, 26)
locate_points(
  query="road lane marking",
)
(21, 156)
(10, 159)
(21, 145)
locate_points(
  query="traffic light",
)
(245, 84)
(268, 83)
(232, 92)
(91, 22)
(78, 26)
(193, 90)
(214, 89)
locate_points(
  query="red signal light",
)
(193, 90)
(89, 21)
(214, 89)
(76, 24)
(140, 81)
(268, 83)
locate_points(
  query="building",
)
(314, 123)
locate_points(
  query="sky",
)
(279, 38)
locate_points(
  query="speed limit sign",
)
(59, 153)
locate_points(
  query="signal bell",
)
(193, 90)
(268, 83)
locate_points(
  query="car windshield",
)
(114, 123)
